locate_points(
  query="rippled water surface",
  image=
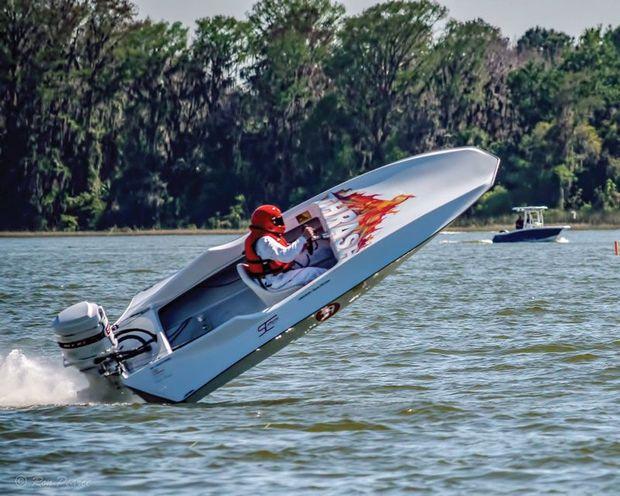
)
(475, 368)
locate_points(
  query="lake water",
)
(475, 368)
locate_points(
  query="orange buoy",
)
(616, 247)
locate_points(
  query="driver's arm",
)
(269, 249)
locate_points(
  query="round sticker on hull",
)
(327, 311)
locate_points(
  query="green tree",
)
(152, 56)
(289, 42)
(379, 64)
(471, 100)
(548, 44)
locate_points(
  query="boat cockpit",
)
(230, 291)
(533, 216)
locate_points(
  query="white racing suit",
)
(268, 248)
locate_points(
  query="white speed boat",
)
(196, 330)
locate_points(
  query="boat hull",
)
(285, 337)
(535, 234)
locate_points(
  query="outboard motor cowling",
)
(83, 333)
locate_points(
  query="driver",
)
(519, 222)
(270, 258)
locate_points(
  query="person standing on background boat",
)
(270, 258)
(519, 222)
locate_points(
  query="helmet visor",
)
(278, 221)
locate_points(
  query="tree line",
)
(109, 120)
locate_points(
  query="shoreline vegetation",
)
(455, 227)
(578, 221)
(109, 120)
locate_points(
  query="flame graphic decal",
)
(370, 211)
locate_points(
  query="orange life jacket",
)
(258, 267)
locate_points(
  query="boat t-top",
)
(197, 329)
(530, 226)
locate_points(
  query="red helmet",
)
(269, 218)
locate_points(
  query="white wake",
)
(29, 382)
